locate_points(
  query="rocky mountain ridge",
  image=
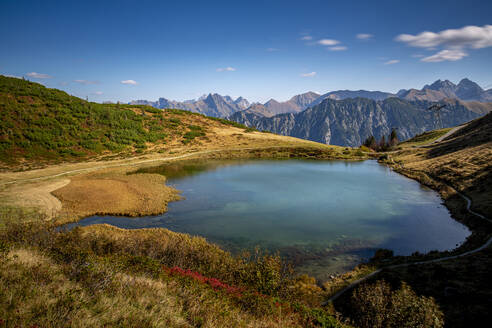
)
(210, 105)
(349, 121)
(465, 90)
(224, 106)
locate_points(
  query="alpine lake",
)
(323, 216)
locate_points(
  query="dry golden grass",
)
(467, 170)
(114, 192)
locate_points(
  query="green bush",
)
(377, 306)
(226, 122)
(195, 128)
(190, 135)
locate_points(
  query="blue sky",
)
(255, 49)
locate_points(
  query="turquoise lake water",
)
(324, 216)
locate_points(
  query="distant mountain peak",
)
(271, 101)
(468, 83)
(442, 89)
(439, 84)
(242, 102)
(468, 90)
(228, 99)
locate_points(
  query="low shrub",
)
(377, 306)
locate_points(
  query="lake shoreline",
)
(187, 163)
(286, 153)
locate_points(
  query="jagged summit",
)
(212, 104)
(439, 90)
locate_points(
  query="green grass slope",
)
(38, 123)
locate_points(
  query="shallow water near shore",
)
(324, 216)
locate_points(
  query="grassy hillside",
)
(38, 123)
(424, 138)
(463, 161)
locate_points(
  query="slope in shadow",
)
(476, 133)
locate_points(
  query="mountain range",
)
(347, 117)
(211, 105)
(350, 121)
(224, 106)
(465, 90)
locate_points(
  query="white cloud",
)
(129, 82)
(417, 56)
(226, 69)
(475, 37)
(391, 62)
(98, 93)
(443, 55)
(364, 36)
(39, 75)
(312, 74)
(307, 38)
(86, 82)
(338, 48)
(328, 42)
(272, 49)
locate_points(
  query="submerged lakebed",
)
(324, 216)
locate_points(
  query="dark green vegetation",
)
(41, 123)
(383, 144)
(195, 131)
(377, 306)
(227, 122)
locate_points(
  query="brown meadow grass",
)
(115, 192)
